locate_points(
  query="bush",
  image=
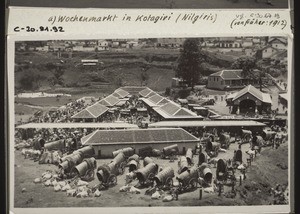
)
(184, 93)
(168, 91)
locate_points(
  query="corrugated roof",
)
(117, 125)
(184, 112)
(173, 110)
(97, 109)
(155, 98)
(121, 93)
(163, 101)
(116, 95)
(281, 40)
(255, 92)
(208, 123)
(92, 111)
(138, 136)
(121, 103)
(229, 74)
(109, 100)
(84, 114)
(147, 92)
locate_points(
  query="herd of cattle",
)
(143, 171)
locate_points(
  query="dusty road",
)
(26, 171)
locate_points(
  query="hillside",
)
(113, 70)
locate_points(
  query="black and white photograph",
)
(152, 122)
(156, 4)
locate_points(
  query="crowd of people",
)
(62, 114)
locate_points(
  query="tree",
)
(31, 79)
(247, 64)
(250, 69)
(144, 74)
(189, 62)
(57, 78)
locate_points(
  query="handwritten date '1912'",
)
(259, 19)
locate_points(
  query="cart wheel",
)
(151, 176)
(169, 182)
(216, 151)
(112, 180)
(90, 175)
(193, 183)
(122, 168)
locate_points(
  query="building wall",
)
(266, 53)
(215, 82)
(106, 150)
(250, 52)
(279, 45)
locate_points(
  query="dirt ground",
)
(153, 4)
(261, 176)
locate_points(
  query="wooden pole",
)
(200, 193)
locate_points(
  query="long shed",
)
(105, 142)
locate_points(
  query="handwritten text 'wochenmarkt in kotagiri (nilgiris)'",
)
(149, 18)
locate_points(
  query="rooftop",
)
(138, 136)
(93, 111)
(109, 101)
(229, 74)
(147, 92)
(116, 125)
(264, 97)
(174, 110)
(208, 123)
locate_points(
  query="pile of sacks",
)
(160, 194)
(73, 188)
(23, 144)
(31, 153)
(130, 189)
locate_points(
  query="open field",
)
(152, 4)
(261, 176)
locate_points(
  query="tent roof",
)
(138, 136)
